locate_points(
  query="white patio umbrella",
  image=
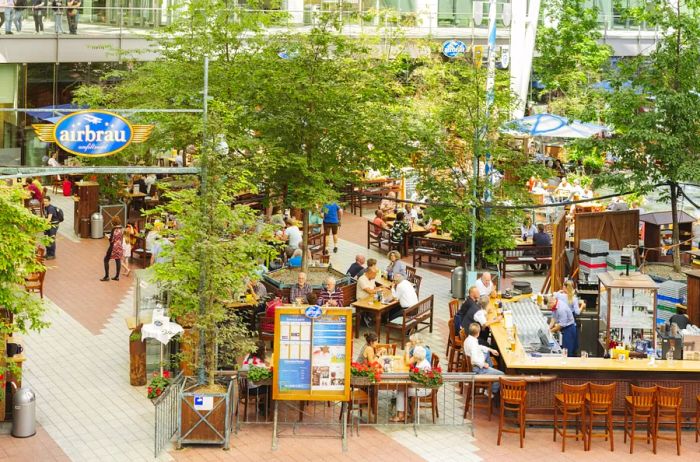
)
(553, 126)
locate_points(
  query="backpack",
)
(59, 215)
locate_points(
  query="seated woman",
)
(396, 266)
(369, 353)
(379, 219)
(422, 364)
(416, 340)
(400, 228)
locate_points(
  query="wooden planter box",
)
(204, 426)
(137, 361)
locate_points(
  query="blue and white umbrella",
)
(553, 126)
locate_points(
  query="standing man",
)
(37, 14)
(485, 285)
(73, 13)
(54, 216)
(563, 321)
(332, 213)
(9, 9)
(18, 16)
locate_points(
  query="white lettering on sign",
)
(90, 135)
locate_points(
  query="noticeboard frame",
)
(311, 395)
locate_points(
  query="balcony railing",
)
(127, 21)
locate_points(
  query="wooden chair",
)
(668, 412)
(599, 402)
(639, 408)
(570, 403)
(413, 319)
(35, 283)
(390, 348)
(513, 394)
(56, 184)
(432, 399)
(697, 418)
(265, 326)
(483, 392)
(454, 307)
(245, 397)
(359, 396)
(410, 274)
(455, 350)
(417, 280)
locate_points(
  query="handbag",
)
(14, 349)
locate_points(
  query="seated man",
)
(478, 355)
(300, 290)
(540, 239)
(366, 284)
(485, 285)
(357, 266)
(371, 263)
(405, 293)
(331, 295)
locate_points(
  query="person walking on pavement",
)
(54, 216)
(57, 8)
(73, 13)
(332, 213)
(115, 251)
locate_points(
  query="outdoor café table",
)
(376, 309)
(442, 237)
(398, 365)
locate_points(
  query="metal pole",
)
(201, 369)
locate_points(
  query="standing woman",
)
(57, 8)
(129, 240)
(568, 294)
(37, 13)
(115, 251)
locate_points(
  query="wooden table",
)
(443, 236)
(376, 309)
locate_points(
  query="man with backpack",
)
(55, 217)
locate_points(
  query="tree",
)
(19, 229)
(655, 109)
(216, 249)
(321, 113)
(454, 128)
(570, 58)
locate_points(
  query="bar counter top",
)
(518, 359)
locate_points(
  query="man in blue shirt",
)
(332, 213)
(563, 321)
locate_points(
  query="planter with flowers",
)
(363, 374)
(158, 384)
(259, 375)
(426, 379)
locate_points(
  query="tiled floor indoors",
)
(88, 411)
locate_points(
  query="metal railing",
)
(131, 21)
(165, 407)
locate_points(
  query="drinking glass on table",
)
(564, 355)
(584, 354)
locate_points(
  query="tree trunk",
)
(211, 366)
(675, 240)
(137, 360)
(305, 240)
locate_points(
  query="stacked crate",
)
(670, 294)
(614, 261)
(592, 254)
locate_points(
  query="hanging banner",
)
(312, 354)
(92, 133)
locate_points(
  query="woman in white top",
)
(527, 229)
(422, 364)
(568, 295)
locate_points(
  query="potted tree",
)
(137, 358)
(213, 249)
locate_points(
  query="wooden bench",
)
(525, 256)
(381, 238)
(415, 318)
(433, 251)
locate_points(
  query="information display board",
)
(312, 354)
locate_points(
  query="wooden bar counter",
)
(575, 371)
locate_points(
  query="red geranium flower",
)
(166, 374)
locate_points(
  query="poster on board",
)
(313, 354)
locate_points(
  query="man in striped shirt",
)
(331, 295)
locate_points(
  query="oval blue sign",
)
(313, 312)
(453, 48)
(93, 133)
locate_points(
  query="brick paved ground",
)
(39, 448)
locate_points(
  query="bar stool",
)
(570, 403)
(599, 402)
(639, 407)
(697, 418)
(513, 394)
(668, 412)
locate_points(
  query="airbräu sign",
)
(93, 133)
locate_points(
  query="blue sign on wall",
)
(93, 133)
(453, 48)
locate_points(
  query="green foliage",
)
(656, 118)
(259, 373)
(20, 232)
(570, 58)
(215, 248)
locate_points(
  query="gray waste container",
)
(97, 226)
(458, 283)
(24, 413)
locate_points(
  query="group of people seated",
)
(562, 191)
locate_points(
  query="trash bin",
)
(24, 413)
(458, 283)
(97, 226)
